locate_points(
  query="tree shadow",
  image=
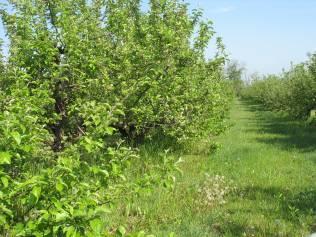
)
(232, 228)
(303, 201)
(252, 106)
(283, 131)
(287, 206)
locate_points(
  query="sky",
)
(263, 35)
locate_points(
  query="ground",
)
(260, 182)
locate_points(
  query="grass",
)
(271, 161)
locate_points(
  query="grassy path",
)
(271, 161)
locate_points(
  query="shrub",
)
(81, 78)
(293, 92)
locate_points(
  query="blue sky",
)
(265, 35)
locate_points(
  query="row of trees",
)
(234, 75)
(82, 80)
(294, 91)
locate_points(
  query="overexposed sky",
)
(265, 35)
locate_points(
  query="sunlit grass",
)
(272, 162)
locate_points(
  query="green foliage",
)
(264, 154)
(293, 92)
(81, 79)
(233, 73)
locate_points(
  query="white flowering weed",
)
(214, 190)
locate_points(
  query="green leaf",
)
(3, 220)
(121, 231)
(88, 147)
(44, 215)
(6, 211)
(96, 225)
(5, 181)
(62, 216)
(60, 185)
(105, 173)
(57, 204)
(17, 137)
(5, 158)
(70, 231)
(19, 229)
(26, 148)
(36, 191)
